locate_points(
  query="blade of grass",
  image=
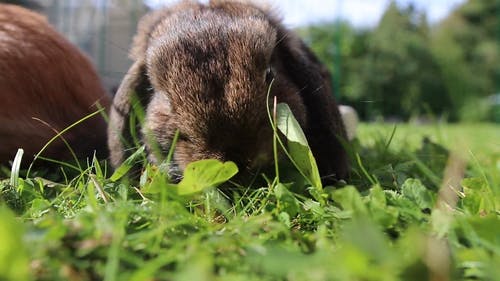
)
(272, 120)
(170, 154)
(370, 178)
(59, 135)
(70, 149)
(391, 138)
(113, 257)
(61, 163)
(275, 137)
(426, 170)
(127, 164)
(16, 166)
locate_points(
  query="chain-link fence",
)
(103, 29)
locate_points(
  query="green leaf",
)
(284, 217)
(286, 201)
(155, 181)
(39, 207)
(414, 190)
(363, 234)
(386, 216)
(289, 125)
(479, 197)
(350, 200)
(482, 231)
(298, 147)
(127, 164)
(204, 174)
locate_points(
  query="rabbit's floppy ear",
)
(324, 130)
(134, 90)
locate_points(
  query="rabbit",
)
(46, 84)
(205, 70)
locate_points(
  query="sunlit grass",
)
(389, 223)
(480, 138)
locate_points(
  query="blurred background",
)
(404, 60)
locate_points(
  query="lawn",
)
(483, 139)
(423, 203)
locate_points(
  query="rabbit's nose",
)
(174, 172)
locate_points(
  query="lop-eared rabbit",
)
(205, 70)
(46, 84)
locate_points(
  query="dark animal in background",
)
(205, 70)
(43, 76)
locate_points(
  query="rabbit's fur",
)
(43, 76)
(205, 70)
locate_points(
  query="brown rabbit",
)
(45, 77)
(205, 70)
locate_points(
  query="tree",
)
(405, 67)
(341, 48)
(399, 75)
(389, 71)
(466, 47)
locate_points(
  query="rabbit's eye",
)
(269, 75)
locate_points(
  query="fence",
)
(104, 28)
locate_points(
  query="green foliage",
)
(405, 68)
(466, 47)
(13, 255)
(386, 224)
(407, 80)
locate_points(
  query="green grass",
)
(479, 138)
(394, 220)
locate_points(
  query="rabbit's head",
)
(205, 70)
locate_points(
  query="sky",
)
(361, 13)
